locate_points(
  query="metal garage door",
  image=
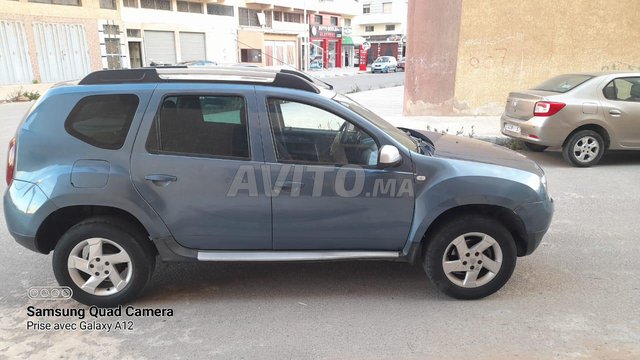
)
(15, 64)
(160, 47)
(62, 51)
(192, 46)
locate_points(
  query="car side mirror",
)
(389, 157)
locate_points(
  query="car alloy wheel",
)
(586, 149)
(469, 256)
(472, 260)
(99, 266)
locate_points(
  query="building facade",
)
(57, 40)
(382, 23)
(472, 63)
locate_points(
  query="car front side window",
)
(309, 134)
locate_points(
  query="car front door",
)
(193, 141)
(327, 192)
(621, 100)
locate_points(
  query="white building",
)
(174, 31)
(383, 24)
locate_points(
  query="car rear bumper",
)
(25, 208)
(537, 219)
(537, 130)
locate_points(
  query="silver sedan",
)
(585, 114)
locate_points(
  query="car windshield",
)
(382, 59)
(397, 134)
(563, 83)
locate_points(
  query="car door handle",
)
(161, 179)
(615, 112)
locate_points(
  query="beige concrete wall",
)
(508, 45)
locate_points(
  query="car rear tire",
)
(470, 257)
(535, 147)
(584, 148)
(105, 261)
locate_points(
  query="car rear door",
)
(193, 141)
(621, 105)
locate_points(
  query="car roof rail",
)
(229, 75)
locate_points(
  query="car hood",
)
(462, 148)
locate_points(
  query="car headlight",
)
(543, 181)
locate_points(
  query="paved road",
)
(577, 297)
(363, 82)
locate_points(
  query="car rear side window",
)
(623, 89)
(102, 120)
(563, 83)
(201, 125)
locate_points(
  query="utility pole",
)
(305, 39)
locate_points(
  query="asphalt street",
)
(576, 297)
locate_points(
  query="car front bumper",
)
(537, 219)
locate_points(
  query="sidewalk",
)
(388, 104)
(347, 71)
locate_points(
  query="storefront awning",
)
(352, 40)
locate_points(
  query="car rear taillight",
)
(547, 108)
(11, 161)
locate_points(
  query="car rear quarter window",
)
(103, 120)
(563, 83)
(200, 125)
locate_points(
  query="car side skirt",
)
(272, 255)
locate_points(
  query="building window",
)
(112, 30)
(217, 9)
(369, 28)
(250, 56)
(317, 19)
(108, 4)
(334, 21)
(59, 2)
(130, 3)
(156, 4)
(366, 9)
(390, 27)
(277, 16)
(190, 6)
(347, 22)
(292, 18)
(386, 8)
(113, 53)
(251, 17)
(135, 33)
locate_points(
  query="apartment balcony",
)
(340, 7)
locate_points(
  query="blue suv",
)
(247, 164)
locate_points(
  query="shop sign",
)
(325, 31)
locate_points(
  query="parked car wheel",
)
(584, 148)
(470, 257)
(104, 260)
(535, 147)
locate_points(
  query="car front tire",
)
(584, 148)
(105, 261)
(470, 257)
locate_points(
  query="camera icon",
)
(49, 292)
